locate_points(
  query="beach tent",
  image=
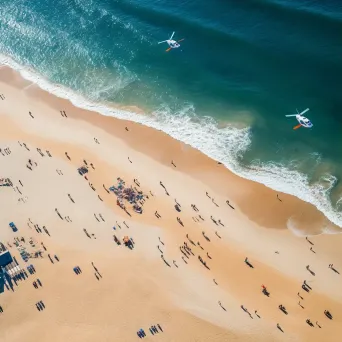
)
(2, 281)
(5, 258)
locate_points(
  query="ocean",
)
(242, 66)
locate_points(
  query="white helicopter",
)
(172, 43)
(303, 121)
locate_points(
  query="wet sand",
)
(138, 289)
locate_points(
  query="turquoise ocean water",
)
(244, 65)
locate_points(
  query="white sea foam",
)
(291, 225)
(282, 179)
(223, 144)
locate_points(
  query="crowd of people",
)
(128, 194)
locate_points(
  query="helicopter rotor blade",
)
(167, 50)
(180, 40)
(162, 41)
(298, 126)
(304, 111)
(172, 35)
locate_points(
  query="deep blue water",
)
(243, 65)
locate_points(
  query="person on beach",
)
(305, 284)
(306, 238)
(309, 323)
(222, 306)
(216, 233)
(213, 220)
(193, 206)
(214, 202)
(305, 288)
(328, 314)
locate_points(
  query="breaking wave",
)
(225, 144)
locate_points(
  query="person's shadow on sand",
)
(279, 327)
(166, 263)
(248, 263)
(222, 306)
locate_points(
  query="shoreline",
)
(156, 282)
(121, 113)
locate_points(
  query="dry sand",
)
(137, 288)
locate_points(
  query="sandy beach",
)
(184, 267)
